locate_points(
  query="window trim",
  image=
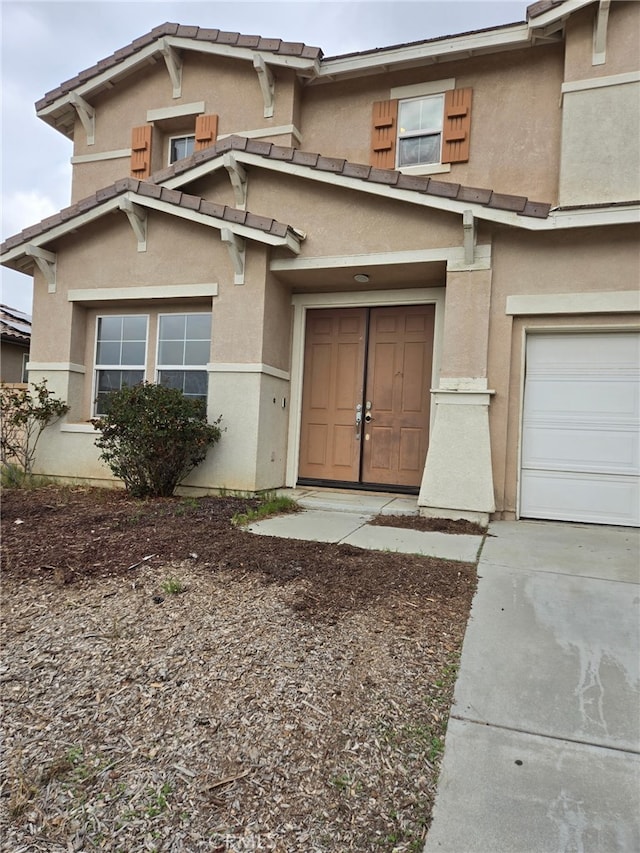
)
(98, 366)
(420, 134)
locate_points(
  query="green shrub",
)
(25, 416)
(153, 436)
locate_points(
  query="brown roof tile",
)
(182, 31)
(330, 164)
(515, 203)
(211, 208)
(537, 9)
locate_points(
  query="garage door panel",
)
(566, 496)
(581, 428)
(592, 399)
(600, 449)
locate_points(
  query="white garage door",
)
(581, 428)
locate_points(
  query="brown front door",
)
(366, 395)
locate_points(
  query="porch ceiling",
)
(381, 277)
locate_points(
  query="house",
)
(413, 268)
(15, 338)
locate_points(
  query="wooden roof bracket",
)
(46, 262)
(137, 217)
(469, 237)
(86, 114)
(600, 26)
(238, 176)
(267, 84)
(237, 252)
(173, 61)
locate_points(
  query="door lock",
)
(368, 416)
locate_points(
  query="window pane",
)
(181, 146)
(196, 352)
(108, 353)
(409, 116)
(134, 328)
(172, 327)
(421, 115)
(171, 352)
(109, 328)
(132, 353)
(171, 378)
(112, 380)
(199, 326)
(419, 149)
(195, 383)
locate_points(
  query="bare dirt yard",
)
(170, 682)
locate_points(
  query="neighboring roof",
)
(15, 326)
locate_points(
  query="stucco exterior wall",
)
(568, 262)
(11, 362)
(515, 100)
(623, 29)
(227, 87)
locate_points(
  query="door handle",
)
(358, 420)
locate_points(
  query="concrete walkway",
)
(344, 517)
(542, 752)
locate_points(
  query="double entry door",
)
(366, 395)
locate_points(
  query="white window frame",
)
(423, 132)
(199, 368)
(421, 91)
(98, 366)
(172, 139)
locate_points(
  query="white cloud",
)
(22, 208)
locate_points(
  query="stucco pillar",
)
(458, 481)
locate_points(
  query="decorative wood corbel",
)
(600, 26)
(469, 236)
(267, 84)
(173, 62)
(46, 262)
(237, 250)
(137, 217)
(238, 177)
(87, 116)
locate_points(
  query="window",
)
(180, 147)
(420, 130)
(425, 126)
(121, 348)
(184, 343)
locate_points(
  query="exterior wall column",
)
(458, 480)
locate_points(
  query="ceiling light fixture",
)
(361, 277)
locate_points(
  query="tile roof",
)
(264, 45)
(150, 190)
(537, 9)
(14, 325)
(367, 174)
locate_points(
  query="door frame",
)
(303, 302)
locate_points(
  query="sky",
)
(45, 43)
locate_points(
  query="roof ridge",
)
(203, 34)
(340, 166)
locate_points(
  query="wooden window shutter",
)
(141, 151)
(206, 131)
(384, 133)
(456, 126)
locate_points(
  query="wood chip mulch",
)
(172, 683)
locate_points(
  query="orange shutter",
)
(456, 126)
(384, 132)
(206, 131)
(141, 151)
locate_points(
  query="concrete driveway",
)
(543, 746)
